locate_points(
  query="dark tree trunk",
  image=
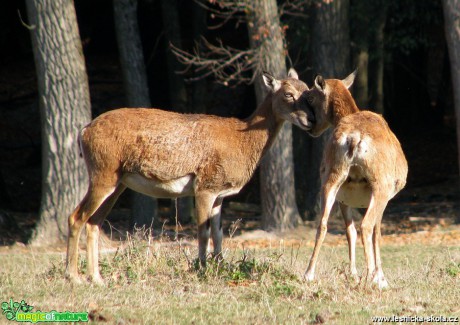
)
(144, 208)
(359, 12)
(64, 108)
(377, 55)
(200, 94)
(279, 208)
(330, 57)
(451, 10)
(171, 25)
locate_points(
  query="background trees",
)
(402, 44)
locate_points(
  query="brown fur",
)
(166, 154)
(363, 167)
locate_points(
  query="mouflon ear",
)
(293, 74)
(271, 82)
(320, 83)
(348, 81)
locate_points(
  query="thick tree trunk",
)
(144, 208)
(279, 208)
(330, 57)
(177, 89)
(64, 107)
(451, 10)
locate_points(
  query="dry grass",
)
(157, 282)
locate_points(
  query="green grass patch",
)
(453, 269)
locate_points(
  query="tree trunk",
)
(144, 208)
(200, 93)
(451, 10)
(279, 208)
(360, 86)
(177, 89)
(330, 57)
(65, 108)
(171, 23)
(377, 56)
(360, 51)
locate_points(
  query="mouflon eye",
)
(288, 95)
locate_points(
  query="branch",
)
(23, 23)
(294, 8)
(227, 64)
(225, 10)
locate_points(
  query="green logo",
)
(22, 312)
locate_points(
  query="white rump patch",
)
(363, 147)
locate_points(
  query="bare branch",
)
(294, 8)
(228, 65)
(225, 10)
(23, 23)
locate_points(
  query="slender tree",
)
(378, 10)
(359, 33)
(144, 209)
(277, 191)
(451, 10)
(64, 107)
(171, 25)
(330, 56)
(199, 91)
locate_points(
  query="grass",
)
(147, 282)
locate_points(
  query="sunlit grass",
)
(154, 282)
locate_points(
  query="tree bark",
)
(360, 12)
(277, 191)
(144, 208)
(451, 10)
(199, 90)
(171, 23)
(177, 89)
(377, 55)
(65, 108)
(330, 57)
